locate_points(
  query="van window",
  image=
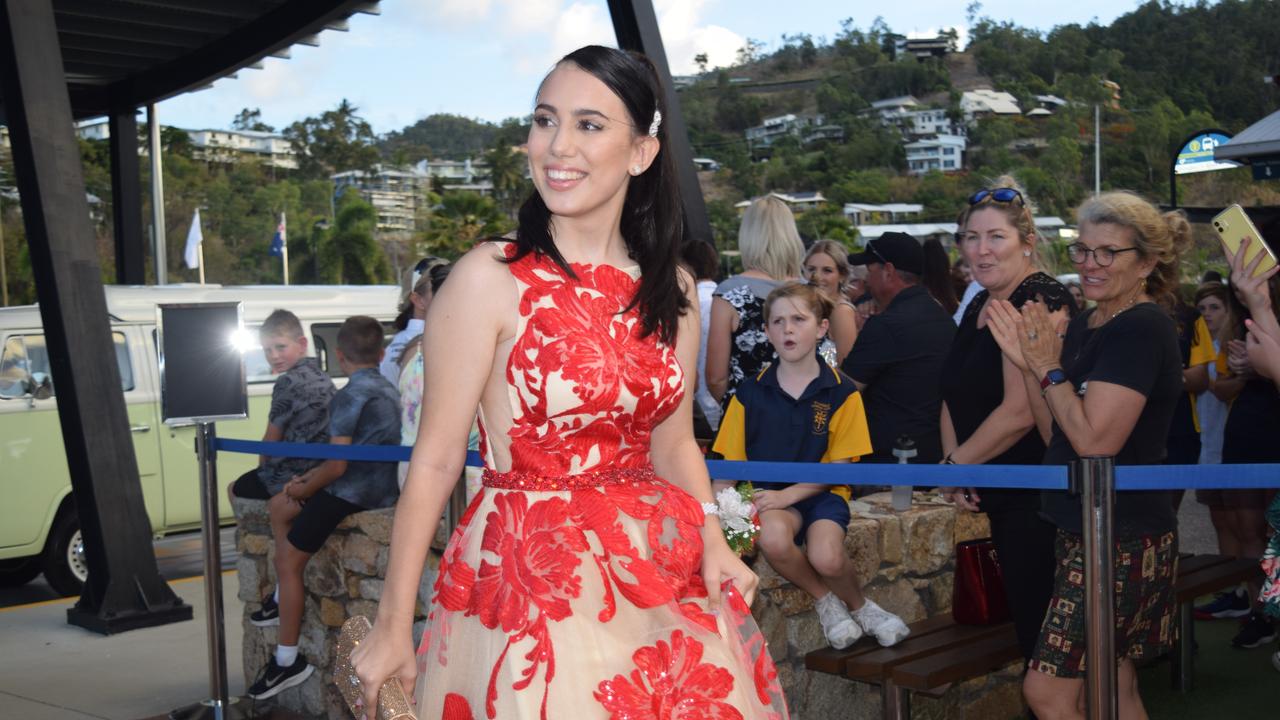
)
(26, 356)
(325, 336)
(13, 368)
(256, 369)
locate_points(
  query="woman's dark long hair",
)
(652, 214)
(937, 275)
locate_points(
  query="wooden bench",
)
(1200, 575)
(939, 652)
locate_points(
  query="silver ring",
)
(1031, 335)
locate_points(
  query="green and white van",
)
(39, 530)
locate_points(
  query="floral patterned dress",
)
(570, 588)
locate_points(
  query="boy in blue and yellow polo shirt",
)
(800, 409)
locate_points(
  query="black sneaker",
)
(1254, 632)
(269, 614)
(274, 678)
(1233, 604)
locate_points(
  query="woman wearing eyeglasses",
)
(1106, 384)
(986, 412)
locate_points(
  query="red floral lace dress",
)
(571, 588)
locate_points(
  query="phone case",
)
(1233, 226)
(393, 704)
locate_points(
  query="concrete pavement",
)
(50, 670)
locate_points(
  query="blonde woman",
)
(737, 346)
(826, 267)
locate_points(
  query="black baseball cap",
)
(898, 248)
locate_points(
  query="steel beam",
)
(126, 198)
(124, 590)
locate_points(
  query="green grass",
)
(1229, 683)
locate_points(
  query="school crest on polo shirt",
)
(821, 414)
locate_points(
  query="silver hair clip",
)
(657, 122)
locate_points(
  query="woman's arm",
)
(948, 431)
(1005, 426)
(844, 330)
(1227, 388)
(724, 320)
(1098, 424)
(466, 319)
(1006, 323)
(1196, 378)
(676, 458)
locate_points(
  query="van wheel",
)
(19, 571)
(65, 566)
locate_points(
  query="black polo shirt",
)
(899, 356)
(763, 422)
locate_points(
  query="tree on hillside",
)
(336, 141)
(459, 221)
(250, 119)
(347, 253)
(506, 172)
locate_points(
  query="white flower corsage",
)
(738, 517)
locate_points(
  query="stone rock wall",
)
(906, 562)
(342, 580)
(905, 559)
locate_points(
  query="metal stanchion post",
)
(1096, 479)
(216, 707)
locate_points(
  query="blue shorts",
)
(823, 506)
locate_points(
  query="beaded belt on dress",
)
(525, 480)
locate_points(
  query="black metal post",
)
(1096, 478)
(217, 706)
(636, 26)
(124, 590)
(126, 198)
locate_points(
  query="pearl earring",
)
(1026, 253)
(635, 169)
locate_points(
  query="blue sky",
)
(484, 58)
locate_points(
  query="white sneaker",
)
(888, 629)
(837, 625)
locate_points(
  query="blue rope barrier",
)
(1028, 477)
(1195, 477)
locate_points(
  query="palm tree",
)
(506, 171)
(348, 253)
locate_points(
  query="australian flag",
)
(278, 241)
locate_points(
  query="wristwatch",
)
(1053, 377)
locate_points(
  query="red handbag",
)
(979, 597)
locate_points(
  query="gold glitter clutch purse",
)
(393, 704)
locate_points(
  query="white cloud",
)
(685, 36)
(454, 12)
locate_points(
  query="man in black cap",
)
(897, 360)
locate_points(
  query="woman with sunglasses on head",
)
(986, 412)
(590, 578)
(408, 323)
(1105, 385)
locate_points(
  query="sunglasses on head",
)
(426, 263)
(1000, 195)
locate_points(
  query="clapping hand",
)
(1263, 351)
(1042, 335)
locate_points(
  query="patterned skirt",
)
(1270, 597)
(580, 597)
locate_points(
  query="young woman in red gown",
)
(585, 580)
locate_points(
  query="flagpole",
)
(200, 254)
(284, 256)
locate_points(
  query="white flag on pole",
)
(194, 240)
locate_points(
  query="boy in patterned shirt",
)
(800, 409)
(364, 412)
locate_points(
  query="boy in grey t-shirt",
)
(364, 412)
(299, 406)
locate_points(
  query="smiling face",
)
(1214, 313)
(821, 270)
(995, 253)
(794, 328)
(1120, 281)
(583, 146)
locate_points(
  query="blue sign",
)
(1197, 155)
